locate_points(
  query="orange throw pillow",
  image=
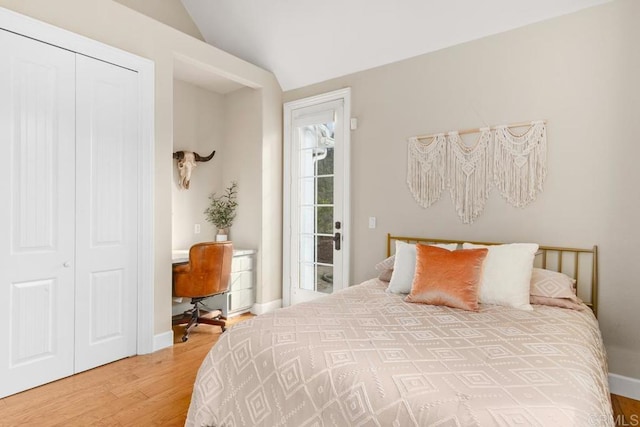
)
(448, 278)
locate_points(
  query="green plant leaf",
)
(222, 209)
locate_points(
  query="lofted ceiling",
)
(308, 41)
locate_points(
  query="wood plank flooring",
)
(626, 412)
(147, 390)
(150, 390)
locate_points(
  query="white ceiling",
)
(308, 41)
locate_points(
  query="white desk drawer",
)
(242, 263)
(240, 299)
(241, 280)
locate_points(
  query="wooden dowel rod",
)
(476, 130)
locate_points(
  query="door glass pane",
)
(325, 190)
(324, 216)
(325, 279)
(307, 276)
(307, 162)
(307, 220)
(308, 137)
(325, 162)
(325, 249)
(315, 208)
(307, 191)
(307, 248)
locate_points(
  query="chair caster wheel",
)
(184, 339)
(223, 328)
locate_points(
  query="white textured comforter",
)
(363, 357)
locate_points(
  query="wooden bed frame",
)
(570, 261)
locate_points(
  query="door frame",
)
(38, 30)
(289, 107)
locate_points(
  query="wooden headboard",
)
(577, 263)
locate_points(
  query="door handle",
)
(336, 240)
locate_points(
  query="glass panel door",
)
(315, 176)
(315, 208)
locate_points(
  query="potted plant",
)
(222, 210)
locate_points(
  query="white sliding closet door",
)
(37, 189)
(106, 225)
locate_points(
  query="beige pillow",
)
(551, 284)
(385, 275)
(385, 267)
(555, 289)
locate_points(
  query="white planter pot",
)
(221, 237)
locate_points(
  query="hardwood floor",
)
(149, 390)
(626, 412)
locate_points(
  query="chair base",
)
(195, 316)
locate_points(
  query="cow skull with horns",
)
(187, 162)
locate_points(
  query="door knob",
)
(66, 264)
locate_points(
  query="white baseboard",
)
(624, 386)
(163, 340)
(267, 307)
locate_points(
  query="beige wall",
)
(241, 163)
(198, 125)
(580, 72)
(259, 221)
(158, 42)
(270, 267)
(170, 12)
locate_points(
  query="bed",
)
(365, 357)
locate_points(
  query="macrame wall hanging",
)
(514, 162)
(469, 174)
(426, 163)
(520, 163)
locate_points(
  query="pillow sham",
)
(506, 275)
(385, 267)
(446, 277)
(385, 275)
(573, 304)
(555, 289)
(404, 266)
(551, 284)
(386, 264)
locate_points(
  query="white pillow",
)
(404, 266)
(506, 274)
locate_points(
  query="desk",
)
(241, 295)
(179, 256)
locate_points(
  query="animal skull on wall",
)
(187, 162)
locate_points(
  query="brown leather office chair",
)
(206, 274)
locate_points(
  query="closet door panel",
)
(106, 243)
(37, 189)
